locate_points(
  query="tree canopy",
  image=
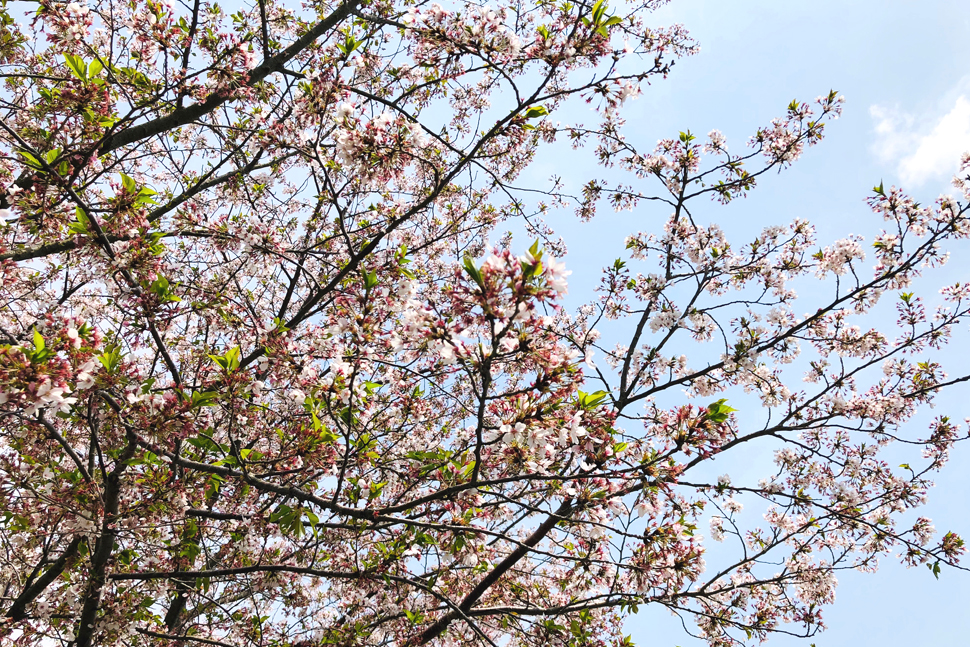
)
(270, 373)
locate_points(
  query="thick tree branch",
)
(186, 115)
(18, 610)
(496, 573)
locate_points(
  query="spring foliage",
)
(265, 381)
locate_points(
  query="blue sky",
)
(904, 68)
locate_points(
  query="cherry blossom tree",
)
(266, 378)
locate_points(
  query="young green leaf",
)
(77, 66)
(473, 272)
(719, 412)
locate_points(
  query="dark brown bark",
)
(495, 574)
(18, 610)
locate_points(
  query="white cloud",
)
(925, 147)
(894, 131)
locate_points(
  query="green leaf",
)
(598, 10)
(129, 183)
(204, 399)
(279, 325)
(145, 196)
(94, 68)
(534, 250)
(349, 45)
(77, 66)
(281, 512)
(31, 161)
(718, 412)
(473, 272)
(161, 288)
(229, 361)
(40, 353)
(82, 225)
(535, 268)
(535, 111)
(203, 442)
(591, 400)
(111, 358)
